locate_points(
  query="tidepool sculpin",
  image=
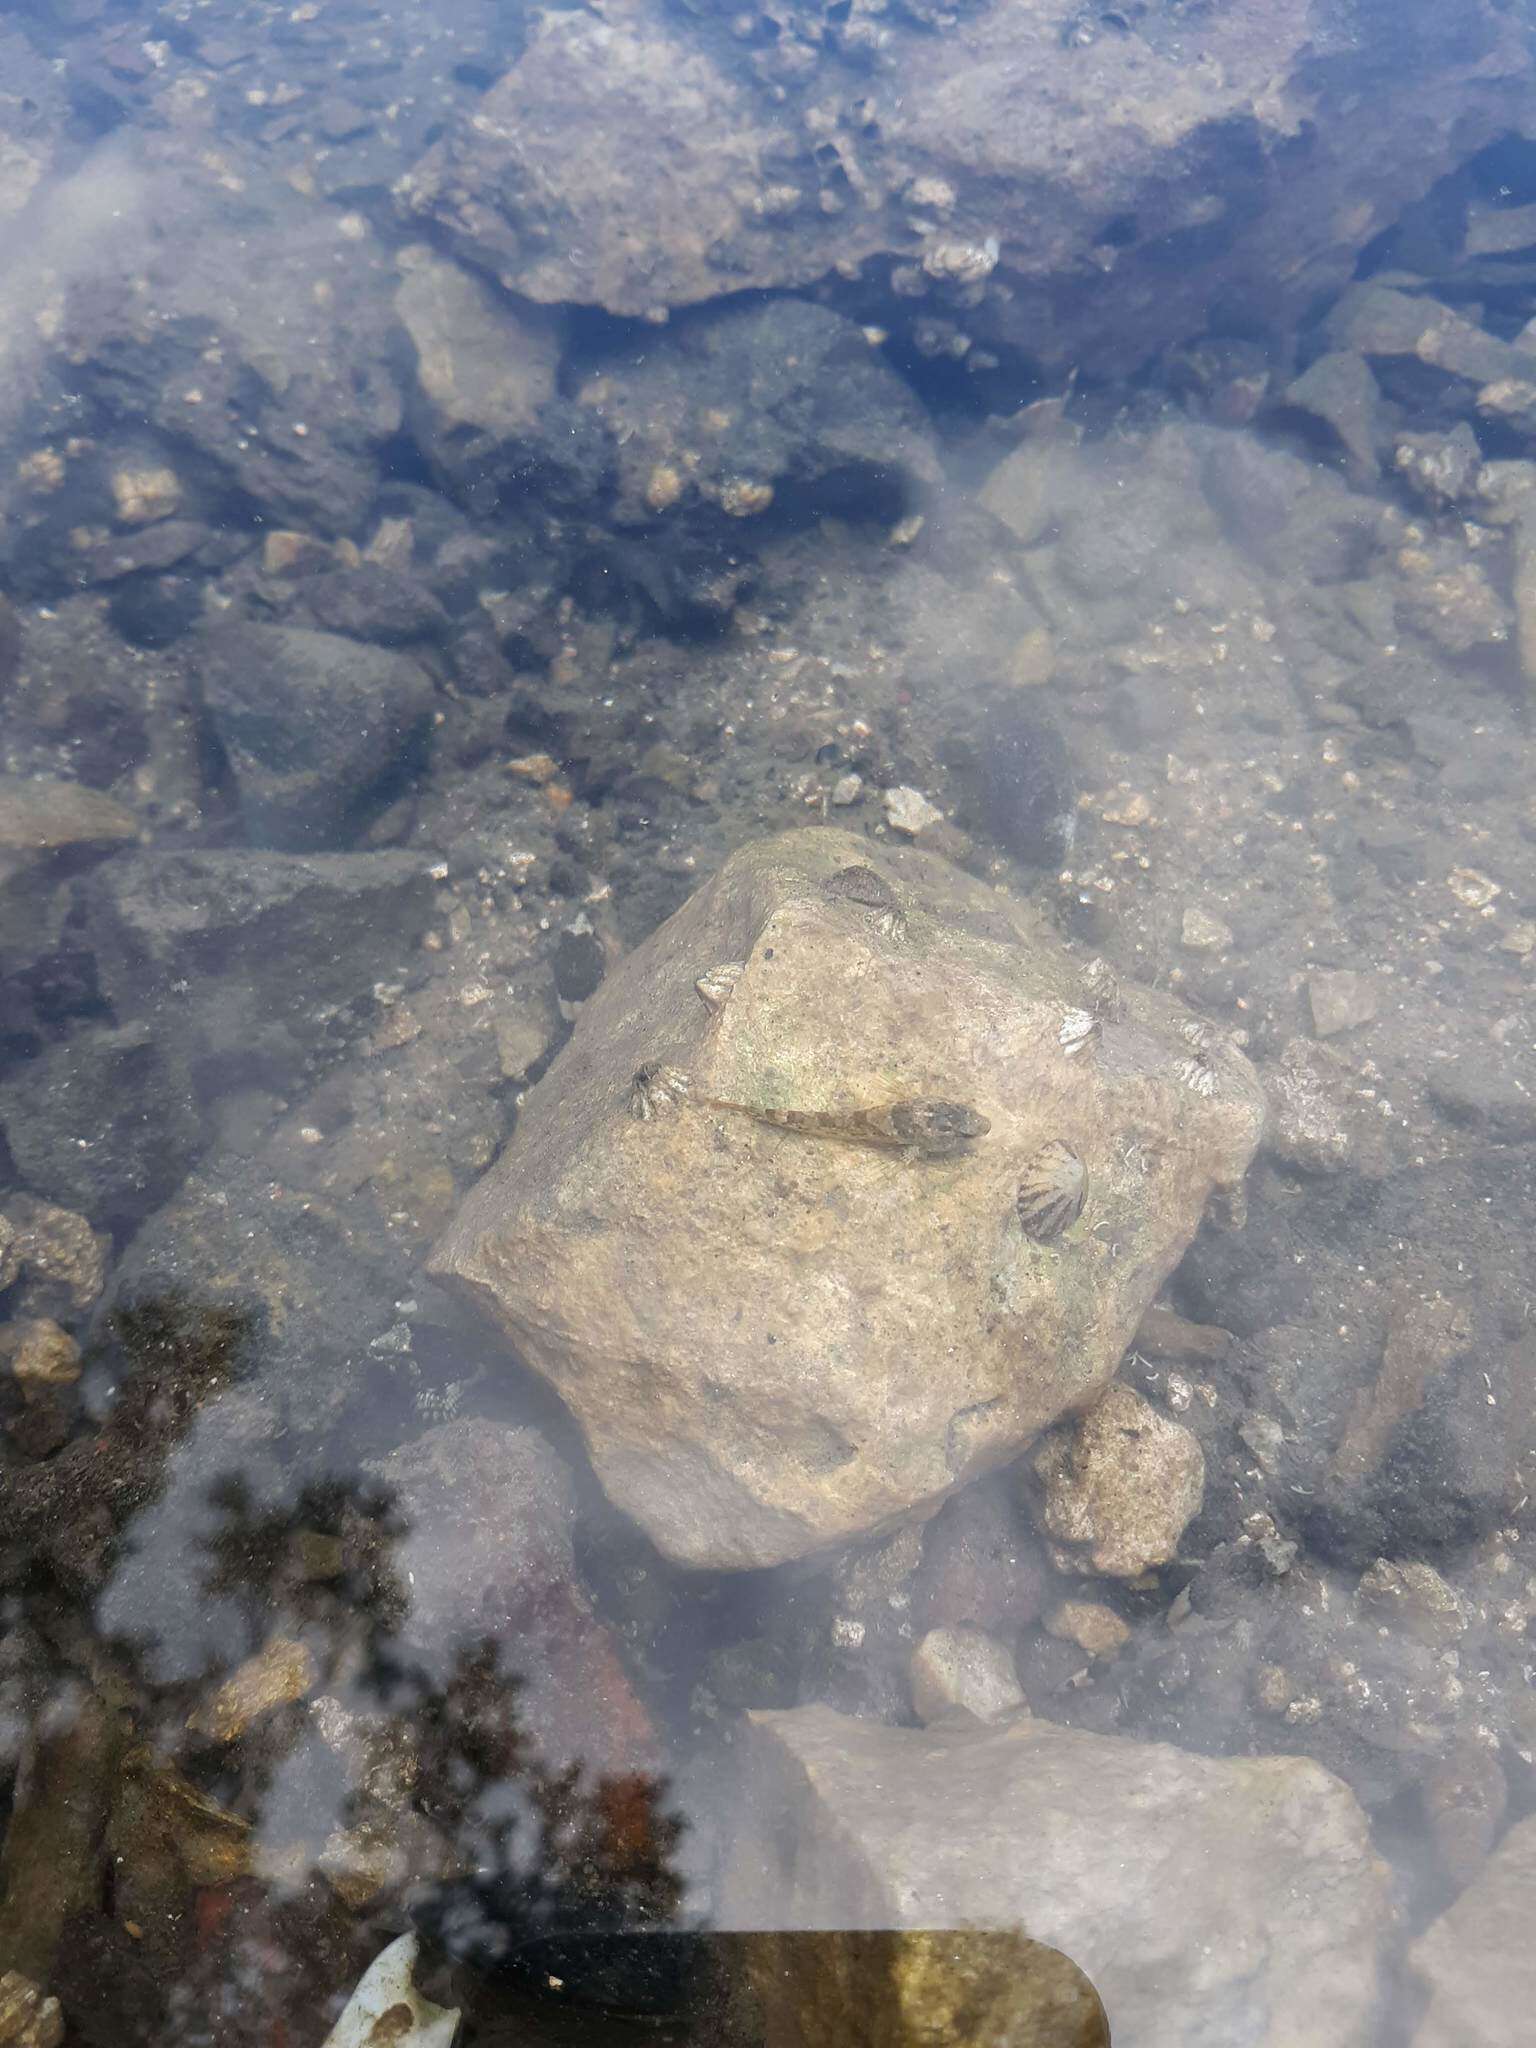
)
(923, 1128)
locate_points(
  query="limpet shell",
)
(1051, 1191)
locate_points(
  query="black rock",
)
(320, 731)
(103, 1124)
(580, 964)
(223, 947)
(153, 611)
(386, 606)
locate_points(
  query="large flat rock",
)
(772, 1340)
(1077, 183)
(1209, 1901)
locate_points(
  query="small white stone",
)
(965, 1668)
(847, 789)
(909, 811)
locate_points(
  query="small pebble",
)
(1472, 889)
(847, 789)
(1199, 932)
(282, 1672)
(909, 811)
(963, 1668)
(1340, 999)
(42, 1355)
(1090, 1624)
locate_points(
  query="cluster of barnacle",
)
(656, 1088)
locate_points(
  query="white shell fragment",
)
(386, 1988)
(1079, 1029)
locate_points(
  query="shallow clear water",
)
(882, 1434)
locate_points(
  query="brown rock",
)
(1091, 1625)
(1124, 1483)
(41, 1354)
(1164, 1333)
(1412, 1599)
(1425, 1331)
(58, 1254)
(168, 1840)
(914, 1990)
(39, 814)
(775, 1341)
(27, 2018)
(980, 1564)
(281, 1672)
(50, 1862)
(1312, 1117)
(483, 368)
(1465, 1798)
(1340, 999)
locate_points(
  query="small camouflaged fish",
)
(870, 891)
(923, 1128)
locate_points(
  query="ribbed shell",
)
(1051, 1191)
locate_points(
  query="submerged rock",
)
(105, 1123)
(1207, 1901)
(760, 401)
(777, 1338)
(1124, 1483)
(893, 1990)
(979, 162)
(1477, 1962)
(964, 1670)
(314, 725)
(486, 1553)
(485, 368)
(244, 934)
